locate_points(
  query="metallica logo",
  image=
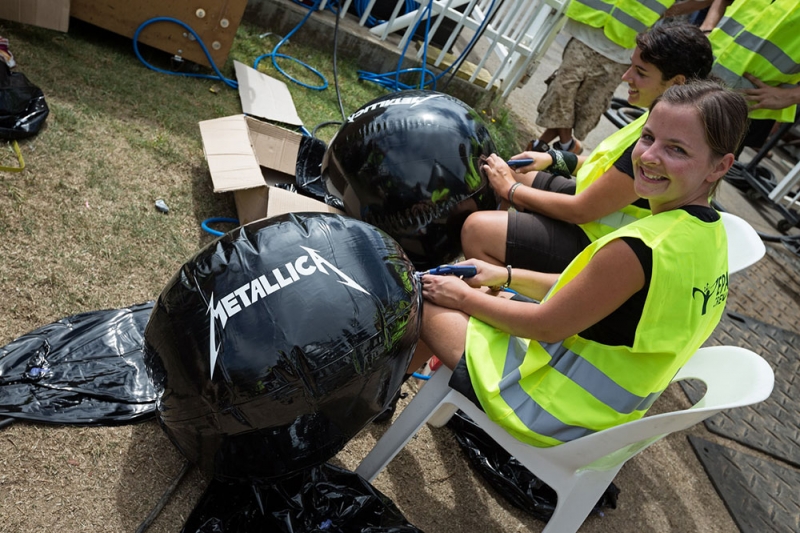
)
(405, 100)
(261, 287)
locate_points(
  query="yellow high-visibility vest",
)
(546, 394)
(620, 20)
(600, 160)
(759, 37)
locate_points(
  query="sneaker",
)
(537, 146)
(574, 146)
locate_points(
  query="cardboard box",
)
(51, 14)
(248, 157)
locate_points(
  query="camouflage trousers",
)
(580, 90)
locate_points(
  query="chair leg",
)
(574, 504)
(442, 415)
(413, 417)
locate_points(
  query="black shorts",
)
(540, 243)
(550, 182)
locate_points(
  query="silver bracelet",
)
(507, 284)
(511, 194)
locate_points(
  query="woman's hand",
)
(541, 161)
(488, 275)
(500, 175)
(445, 291)
(767, 97)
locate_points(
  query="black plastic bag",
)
(23, 109)
(508, 477)
(86, 369)
(323, 498)
(308, 172)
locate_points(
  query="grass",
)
(80, 232)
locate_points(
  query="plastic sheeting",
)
(503, 472)
(308, 172)
(277, 343)
(85, 369)
(321, 499)
(23, 109)
(409, 163)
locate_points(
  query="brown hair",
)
(722, 111)
(676, 48)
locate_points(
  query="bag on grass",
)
(23, 109)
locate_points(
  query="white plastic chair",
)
(581, 470)
(745, 247)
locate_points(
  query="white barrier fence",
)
(512, 35)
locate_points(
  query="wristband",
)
(564, 163)
(511, 194)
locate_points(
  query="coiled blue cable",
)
(274, 54)
(217, 220)
(391, 80)
(385, 81)
(231, 83)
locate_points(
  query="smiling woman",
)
(673, 164)
(613, 329)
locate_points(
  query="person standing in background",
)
(595, 58)
(757, 50)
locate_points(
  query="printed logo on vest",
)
(715, 293)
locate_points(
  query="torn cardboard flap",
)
(265, 97)
(231, 160)
(274, 147)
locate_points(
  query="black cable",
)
(323, 124)
(164, 499)
(471, 45)
(792, 242)
(335, 69)
(6, 422)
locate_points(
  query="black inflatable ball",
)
(409, 163)
(273, 346)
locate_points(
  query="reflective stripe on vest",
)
(763, 47)
(759, 37)
(579, 370)
(621, 20)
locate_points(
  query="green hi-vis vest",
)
(547, 394)
(759, 37)
(621, 20)
(600, 160)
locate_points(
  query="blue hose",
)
(385, 79)
(214, 220)
(231, 83)
(274, 54)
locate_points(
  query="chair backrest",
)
(734, 377)
(745, 247)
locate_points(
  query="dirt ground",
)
(109, 479)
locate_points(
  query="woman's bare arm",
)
(612, 276)
(611, 192)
